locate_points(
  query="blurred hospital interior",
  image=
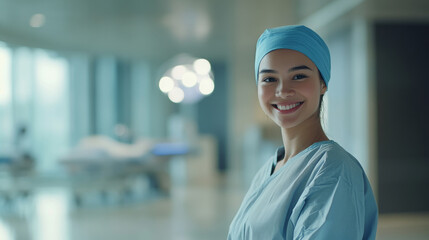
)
(139, 119)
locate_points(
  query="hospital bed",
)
(103, 171)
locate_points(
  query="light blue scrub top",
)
(320, 193)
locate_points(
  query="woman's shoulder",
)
(331, 153)
(335, 161)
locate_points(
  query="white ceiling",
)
(160, 29)
(131, 28)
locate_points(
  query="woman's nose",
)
(283, 91)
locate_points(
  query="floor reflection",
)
(50, 220)
(5, 231)
(200, 209)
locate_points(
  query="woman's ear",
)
(323, 88)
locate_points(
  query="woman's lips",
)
(287, 108)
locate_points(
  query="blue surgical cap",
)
(299, 38)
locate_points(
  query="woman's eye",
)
(268, 79)
(299, 76)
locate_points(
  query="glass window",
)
(6, 115)
(51, 108)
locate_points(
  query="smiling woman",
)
(287, 83)
(311, 188)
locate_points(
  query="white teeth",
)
(287, 107)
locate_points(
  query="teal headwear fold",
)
(299, 38)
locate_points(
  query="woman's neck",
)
(302, 136)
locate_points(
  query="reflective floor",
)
(195, 210)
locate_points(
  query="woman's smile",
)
(285, 108)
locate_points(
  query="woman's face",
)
(289, 88)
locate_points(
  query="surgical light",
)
(166, 84)
(206, 86)
(202, 66)
(187, 79)
(178, 71)
(176, 95)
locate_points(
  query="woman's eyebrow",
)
(301, 67)
(268, 71)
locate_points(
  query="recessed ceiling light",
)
(37, 20)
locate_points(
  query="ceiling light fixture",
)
(37, 20)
